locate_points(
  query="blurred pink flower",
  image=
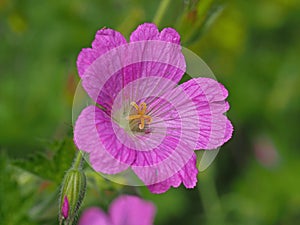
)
(265, 151)
(125, 210)
(146, 121)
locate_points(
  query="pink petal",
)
(229, 131)
(113, 139)
(175, 125)
(170, 35)
(105, 40)
(87, 139)
(155, 173)
(163, 186)
(149, 31)
(65, 208)
(173, 69)
(209, 96)
(187, 176)
(94, 216)
(189, 173)
(146, 31)
(131, 210)
(111, 72)
(107, 67)
(85, 58)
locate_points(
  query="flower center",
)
(140, 114)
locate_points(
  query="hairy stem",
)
(77, 164)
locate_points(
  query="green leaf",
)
(14, 199)
(52, 163)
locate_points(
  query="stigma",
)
(140, 114)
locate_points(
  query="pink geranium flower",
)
(125, 210)
(147, 122)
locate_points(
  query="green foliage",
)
(14, 200)
(52, 163)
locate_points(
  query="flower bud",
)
(65, 208)
(72, 194)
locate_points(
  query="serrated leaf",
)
(52, 163)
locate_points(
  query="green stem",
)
(161, 11)
(77, 164)
(209, 197)
(203, 8)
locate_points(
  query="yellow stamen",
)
(135, 106)
(141, 110)
(142, 124)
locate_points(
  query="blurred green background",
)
(253, 48)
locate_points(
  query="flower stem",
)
(161, 11)
(77, 164)
(209, 197)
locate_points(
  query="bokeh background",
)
(253, 48)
